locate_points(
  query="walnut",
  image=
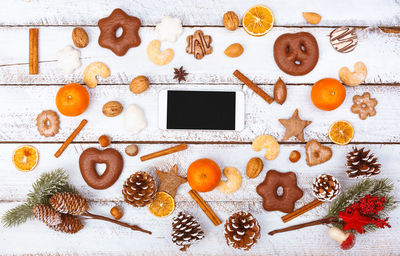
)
(139, 84)
(231, 21)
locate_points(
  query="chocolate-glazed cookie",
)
(344, 39)
(130, 32)
(296, 54)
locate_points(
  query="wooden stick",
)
(33, 51)
(204, 206)
(303, 225)
(70, 138)
(253, 86)
(164, 152)
(99, 217)
(301, 210)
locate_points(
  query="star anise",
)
(180, 74)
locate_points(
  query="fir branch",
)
(17, 215)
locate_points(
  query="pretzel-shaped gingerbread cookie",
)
(296, 54)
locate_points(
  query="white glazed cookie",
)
(169, 29)
(68, 59)
(134, 119)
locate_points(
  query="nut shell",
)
(112, 108)
(80, 37)
(294, 156)
(132, 150)
(104, 141)
(139, 84)
(231, 21)
(234, 50)
(254, 167)
(117, 212)
(280, 91)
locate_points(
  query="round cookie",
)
(92, 156)
(48, 123)
(344, 39)
(296, 54)
(268, 190)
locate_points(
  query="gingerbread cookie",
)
(364, 105)
(199, 44)
(316, 153)
(48, 123)
(344, 39)
(296, 54)
(130, 32)
(92, 156)
(268, 190)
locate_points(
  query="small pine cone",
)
(362, 163)
(139, 189)
(326, 187)
(70, 224)
(46, 214)
(186, 230)
(69, 203)
(242, 230)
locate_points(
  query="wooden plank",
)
(102, 238)
(15, 184)
(257, 62)
(41, 12)
(21, 104)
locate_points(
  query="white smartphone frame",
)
(239, 109)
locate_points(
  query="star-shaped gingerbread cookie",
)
(294, 126)
(170, 181)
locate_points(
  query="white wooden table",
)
(23, 96)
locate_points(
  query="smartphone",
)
(201, 110)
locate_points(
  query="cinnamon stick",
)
(164, 152)
(33, 51)
(303, 225)
(253, 86)
(70, 138)
(204, 206)
(301, 210)
(99, 217)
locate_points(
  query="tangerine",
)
(204, 175)
(328, 94)
(72, 99)
(25, 158)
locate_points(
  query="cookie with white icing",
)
(344, 39)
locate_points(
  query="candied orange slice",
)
(163, 205)
(341, 132)
(25, 158)
(258, 20)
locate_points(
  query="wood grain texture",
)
(257, 61)
(20, 105)
(204, 13)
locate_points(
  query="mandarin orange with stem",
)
(328, 94)
(72, 99)
(204, 175)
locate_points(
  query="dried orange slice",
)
(258, 20)
(163, 205)
(341, 132)
(25, 158)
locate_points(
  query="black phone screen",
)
(205, 110)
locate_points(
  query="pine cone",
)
(362, 163)
(242, 230)
(70, 224)
(46, 214)
(186, 230)
(139, 189)
(326, 187)
(69, 203)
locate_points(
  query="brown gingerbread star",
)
(130, 32)
(170, 181)
(294, 126)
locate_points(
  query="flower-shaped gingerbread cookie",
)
(364, 105)
(68, 59)
(169, 29)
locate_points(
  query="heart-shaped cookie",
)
(316, 153)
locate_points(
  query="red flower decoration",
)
(354, 220)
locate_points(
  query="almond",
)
(254, 167)
(139, 84)
(234, 50)
(80, 37)
(112, 108)
(280, 91)
(231, 21)
(312, 17)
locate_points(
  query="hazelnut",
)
(231, 21)
(139, 84)
(104, 141)
(131, 150)
(117, 212)
(294, 156)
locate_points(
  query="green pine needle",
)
(48, 184)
